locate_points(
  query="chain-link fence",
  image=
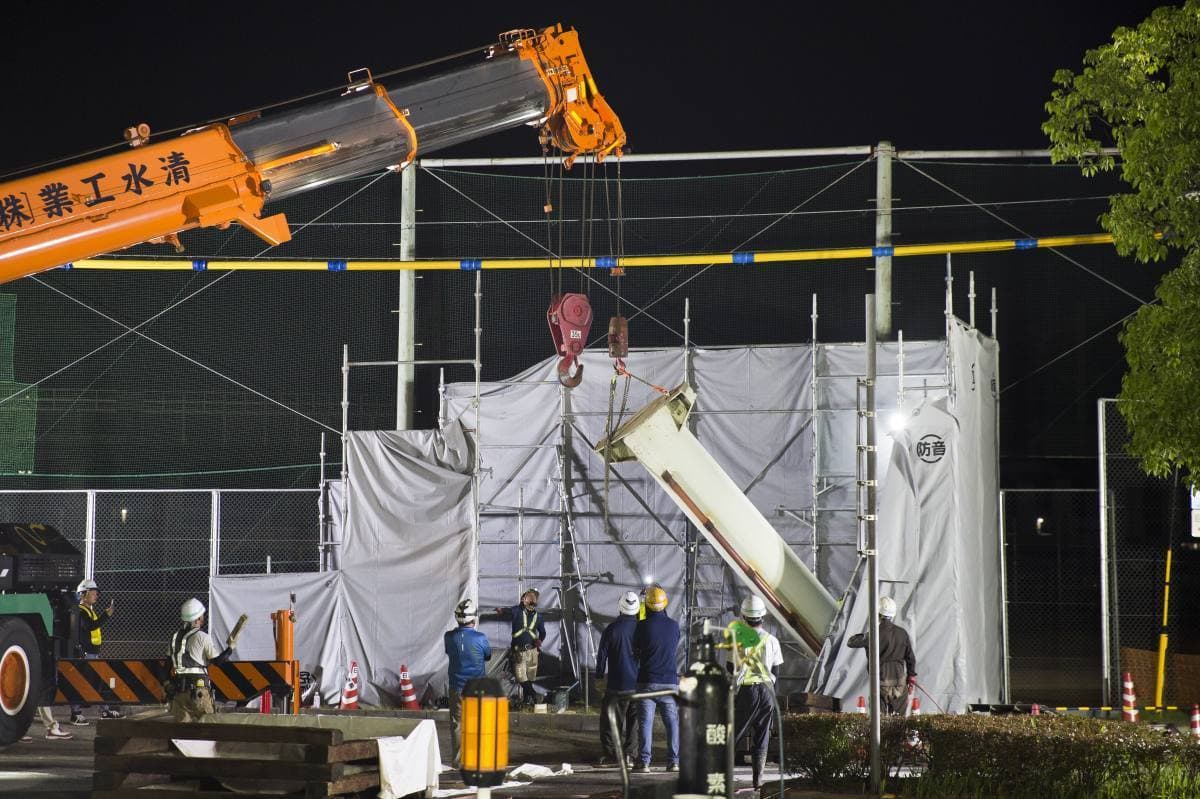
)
(151, 550)
(1145, 518)
(1052, 562)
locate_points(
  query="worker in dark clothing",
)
(897, 663)
(528, 633)
(89, 638)
(467, 649)
(655, 642)
(615, 659)
(754, 705)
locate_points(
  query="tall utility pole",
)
(885, 152)
(872, 552)
(406, 328)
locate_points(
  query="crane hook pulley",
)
(570, 319)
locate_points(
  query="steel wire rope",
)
(1068, 351)
(1024, 233)
(137, 328)
(535, 242)
(705, 268)
(224, 117)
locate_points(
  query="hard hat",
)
(629, 604)
(753, 608)
(191, 610)
(536, 593)
(86, 585)
(656, 598)
(466, 612)
(887, 607)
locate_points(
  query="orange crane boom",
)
(224, 173)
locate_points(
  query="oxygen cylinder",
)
(704, 733)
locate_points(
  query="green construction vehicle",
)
(39, 570)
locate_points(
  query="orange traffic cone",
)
(350, 692)
(1035, 709)
(408, 694)
(862, 705)
(1129, 711)
(1196, 721)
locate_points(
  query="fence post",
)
(89, 537)
(214, 536)
(1105, 621)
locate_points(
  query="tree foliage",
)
(1140, 93)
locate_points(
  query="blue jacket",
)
(467, 649)
(615, 655)
(655, 642)
(522, 621)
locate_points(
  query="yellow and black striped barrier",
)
(140, 682)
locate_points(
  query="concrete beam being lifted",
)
(658, 437)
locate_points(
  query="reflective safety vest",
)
(88, 611)
(754, 670)
(530, 625)
(181, 661)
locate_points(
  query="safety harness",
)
(182, 662)
(530, 625)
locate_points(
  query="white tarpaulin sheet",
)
(407, 559)
(408, 554)
(939, 543)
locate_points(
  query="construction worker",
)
(615, 659)
(897, 663)
(467, 649)
(655, 642)
(754, 705)
(191, 650)
(528, 633)
(89, 638)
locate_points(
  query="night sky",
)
(682, 76)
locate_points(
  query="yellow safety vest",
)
(530, 625)
(756, 670)
(94, 616)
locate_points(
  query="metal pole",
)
(521, 541)
(872, 555)
(89, 537)
(214, 534)
(971, 297)
(690, 541)
(884, 153)
(476, 471)
(406, 327)
(345, 432)
(323, 510)
(565, 487)
(1105, 631)
(441, 398)
(814, 398)
(995, 312)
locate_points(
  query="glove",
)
(912, 682)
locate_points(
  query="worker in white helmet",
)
(616, 675)
(191, 650)
(88, 637)
(897, 663)
(754, 705)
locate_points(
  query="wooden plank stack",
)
(133, 756)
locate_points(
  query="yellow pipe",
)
(703, 259)
(1160, 674)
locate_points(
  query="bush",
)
(999, 756)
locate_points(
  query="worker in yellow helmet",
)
(655, 644)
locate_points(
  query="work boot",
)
(641, 768)
(760, 765)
